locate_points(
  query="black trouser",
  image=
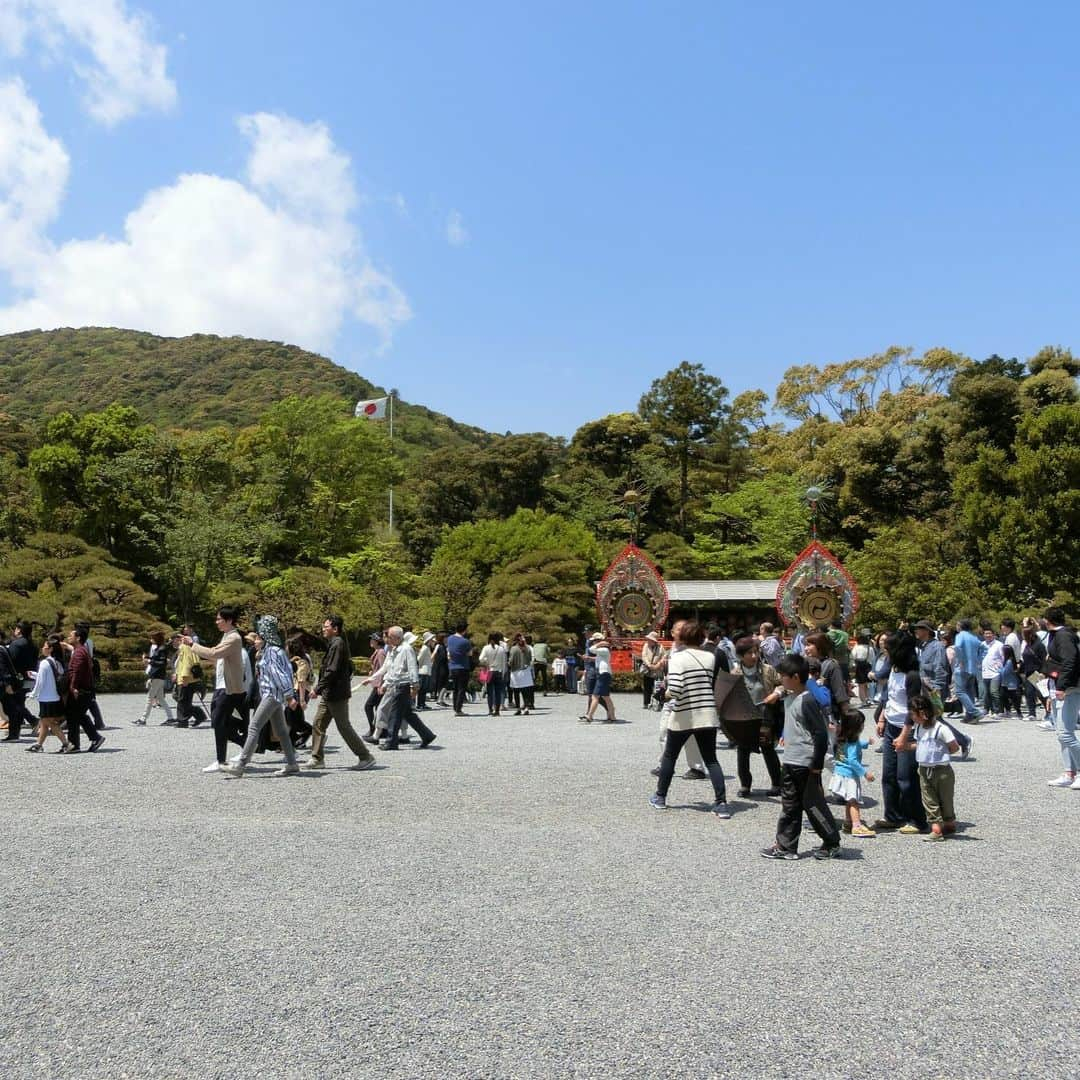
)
(77, 710)
(706, 743)
(401, 708)
(95, 714)
(648, 683)
(800, 790)
(186, 709)
(525, 697)
(226, 726)
(1035, 703)
(772, 763)
(540, 677)
(15, 707)
(299, 729)
(440, 679)
(460, 678)
(560, 684)
(422, 691)
(371, 707)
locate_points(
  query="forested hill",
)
(191, 382)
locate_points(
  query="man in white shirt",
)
(400, 684)
(992, 663)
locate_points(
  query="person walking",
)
(24, 661)
(80, 690)
(277, 689)
(334, 688)
(691, 714)
(1063, 667)
(229, 688)
(46, 692)
(806, 740)
(600, 692)
(400, 683)
(186, 671)
(157, 665)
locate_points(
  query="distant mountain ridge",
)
(198, 381)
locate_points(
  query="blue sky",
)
(521, 213)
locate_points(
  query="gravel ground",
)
(507, 904)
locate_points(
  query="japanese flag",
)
(371, 410)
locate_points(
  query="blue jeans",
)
(1065, 718)
(900, 783)
(495, 691)
(967, 689)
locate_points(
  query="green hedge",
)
(124, 681)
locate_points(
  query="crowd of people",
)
(805, 701)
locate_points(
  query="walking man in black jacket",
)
(23, 657)
(333, 690)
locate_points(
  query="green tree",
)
(315, 476)
(544, 593)
(55, 580)
(915, 570)
(687, 411)
(756, 530)
(383, 580)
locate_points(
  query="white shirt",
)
(933, 744)
(994, 660)
(494, 657)
(603, 660)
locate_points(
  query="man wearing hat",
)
(935, 670)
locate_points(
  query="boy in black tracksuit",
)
(806, 740)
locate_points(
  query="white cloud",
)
(456, 233)
(111, 49)
(275, 257)
(33, 175)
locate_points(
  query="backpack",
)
(63, 683)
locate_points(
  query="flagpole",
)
(392, 393)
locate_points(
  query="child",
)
(558, 669)
(848, 771)
(806, 739)
(936, 778)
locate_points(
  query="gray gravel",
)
(508, 905)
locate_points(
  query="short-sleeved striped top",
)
(690, 688)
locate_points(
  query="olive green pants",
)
(937, 784)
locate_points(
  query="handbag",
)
(484, 675)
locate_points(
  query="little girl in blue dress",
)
(848, 771)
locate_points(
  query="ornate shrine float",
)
(631, 601)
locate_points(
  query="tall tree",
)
(687, 411)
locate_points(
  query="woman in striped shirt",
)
(690, 711)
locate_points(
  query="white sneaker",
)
(1047, 725)
(214, 768)
(233, 770)
(235, 759)
(1075, 785)
(289, 770)
(1064, 780)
